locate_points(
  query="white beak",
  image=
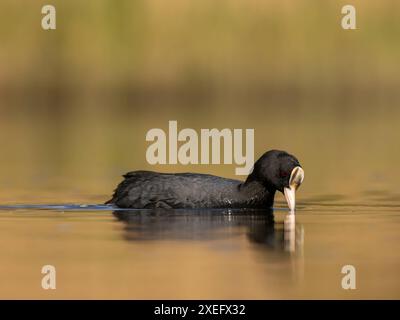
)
(295, 180)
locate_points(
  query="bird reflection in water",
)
(259, 226)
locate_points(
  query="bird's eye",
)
(283, 174)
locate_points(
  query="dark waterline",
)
(104, 207)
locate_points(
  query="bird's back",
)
(147, 189)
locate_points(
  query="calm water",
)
(104, 253)
(348, 209)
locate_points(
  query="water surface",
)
(100, 252)
(54, 171)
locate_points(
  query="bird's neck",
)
(256, 192)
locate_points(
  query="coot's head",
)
(279, 170)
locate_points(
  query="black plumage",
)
(147, 189)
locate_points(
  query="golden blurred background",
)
(76, 102)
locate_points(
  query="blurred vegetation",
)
(154, 50)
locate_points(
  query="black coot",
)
(275, 170)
